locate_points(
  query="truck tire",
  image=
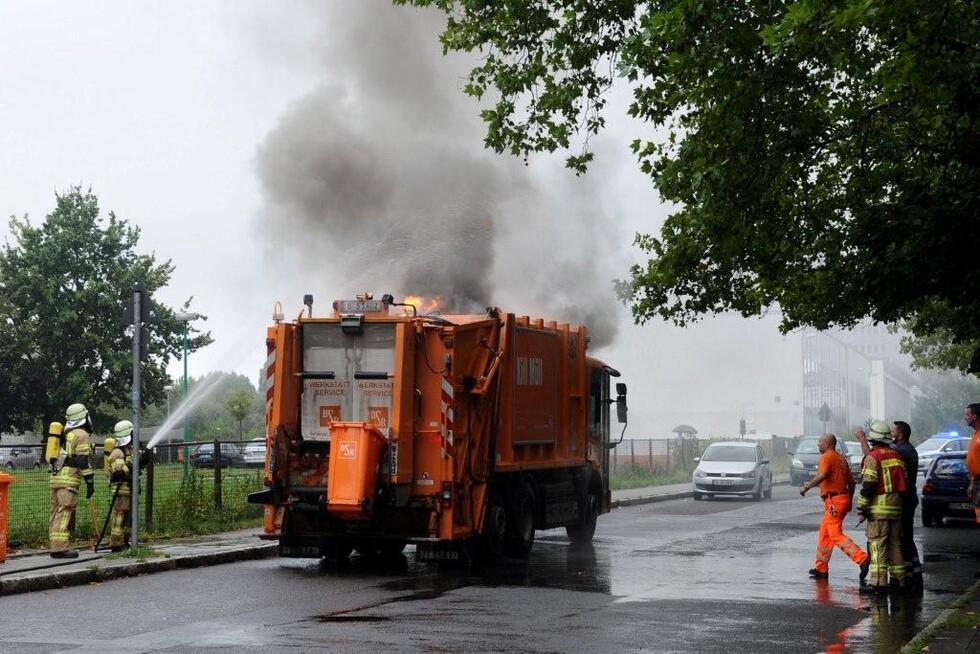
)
(520, 530)
(390, 549)
(489, 546)
(338, 550)
(582, 533)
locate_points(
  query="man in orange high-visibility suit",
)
(836, 488)
(972, 417)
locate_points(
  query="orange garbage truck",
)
(462, 434)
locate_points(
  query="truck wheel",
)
(520, 531)
(489, 546)
(338, 550)
(582, 533)
(389, 549)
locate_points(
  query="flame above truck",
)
(460, 433)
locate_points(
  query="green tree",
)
(942, 399)
(208, 419)
(822, 156)
(63, 287)
(239, 404)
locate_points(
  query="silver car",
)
(254, 454)
(20, 457)
(732, 468)
(932, 447)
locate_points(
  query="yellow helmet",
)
(123, 433)
(880, 432)
(75, 415)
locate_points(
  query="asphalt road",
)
(679, 576)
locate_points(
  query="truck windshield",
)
(346, 377)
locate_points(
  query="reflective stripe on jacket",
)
(121, 462)
(77, 461)
(883, 481)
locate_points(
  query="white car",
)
(733, 468)
(943, 443)
(254, 454)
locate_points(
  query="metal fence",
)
(666, 456)
(179, 495)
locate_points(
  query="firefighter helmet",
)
(880, 432)
(123, 432)
(75, 416)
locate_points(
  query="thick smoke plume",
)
(378, 180)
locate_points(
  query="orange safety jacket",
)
(883, 481)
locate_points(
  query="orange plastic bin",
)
(5, 481)
(352, 477)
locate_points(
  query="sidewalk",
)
(27, 571)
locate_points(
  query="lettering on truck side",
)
(530, 371)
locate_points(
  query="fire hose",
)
(108, 517)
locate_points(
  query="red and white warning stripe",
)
(270, 374)
(446, 415)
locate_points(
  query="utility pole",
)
(137, 334)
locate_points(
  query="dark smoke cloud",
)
(378, 180)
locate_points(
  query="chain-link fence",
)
(184, 489)
(664, 457)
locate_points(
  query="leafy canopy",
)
(823, 156)
(63, 287)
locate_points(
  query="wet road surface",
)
(725, 575)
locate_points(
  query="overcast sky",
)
(272, 149)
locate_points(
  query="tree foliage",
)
(941, 403)
(210, 419)
(823, 156)
(240, 405)
(63, 287)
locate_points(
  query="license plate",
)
(724, 482)
(961, 506)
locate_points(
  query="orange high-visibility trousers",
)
(832, 533)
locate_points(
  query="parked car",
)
(807, 455)
(22, 457)
(855, 456)
(254, 454)
(933, 446)
(203, 455)
(944, 491)
(733, 468)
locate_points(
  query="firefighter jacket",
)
(883, 482)
(77, 465)
(121, 470)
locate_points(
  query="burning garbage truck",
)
(462, 434)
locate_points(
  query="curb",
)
(663, 497)
(95, 573)
(938, 625)
(647, 499)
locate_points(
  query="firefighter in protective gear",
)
(880, 501)
(77, 467)
(836, 489)
(121, 481)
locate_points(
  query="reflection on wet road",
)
(677, 576)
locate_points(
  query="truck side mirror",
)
(621, 409)
(620, 388)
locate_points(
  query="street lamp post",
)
(186, 317)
